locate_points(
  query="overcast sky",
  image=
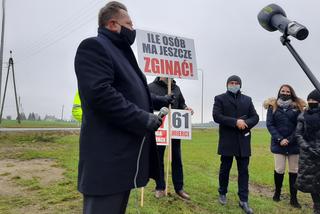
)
(44, 35)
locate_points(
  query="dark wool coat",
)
(281, 124)
(116, 104)
(158, 87)
(308, 137)
(227, 109)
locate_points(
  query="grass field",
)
(37, 124)
(38, 174)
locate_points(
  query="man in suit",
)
(118, 123)
(160, 87)
(236, 115)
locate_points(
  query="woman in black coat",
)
(308, 137)
(282, 117)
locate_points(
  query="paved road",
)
(37, 129)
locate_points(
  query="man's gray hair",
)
(110, 11)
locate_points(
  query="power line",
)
(51, 37)
(53, 42)
(51, 34)
(46, 43)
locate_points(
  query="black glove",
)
(170, 98)
(154, 122)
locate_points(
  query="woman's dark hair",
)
(294, 97)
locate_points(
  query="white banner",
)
(180, 127)
(166, 55)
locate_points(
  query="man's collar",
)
(234, 95)
(113, 36)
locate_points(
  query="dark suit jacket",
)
(158, 87)
(226, 110)
(116, 103)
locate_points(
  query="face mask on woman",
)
(285, 97)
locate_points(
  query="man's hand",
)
(170, 98)
(189, 109)
(241, 124)
(154, 122)
(284, 142)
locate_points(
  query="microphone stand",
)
(286, 42)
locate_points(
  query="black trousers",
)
(111, 204)
(243, 176)
(176, 166)
(316, 198)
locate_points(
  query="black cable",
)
(136, 174)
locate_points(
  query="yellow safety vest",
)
(76, 108)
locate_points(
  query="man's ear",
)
(112, 25)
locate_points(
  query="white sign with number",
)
(180, 127)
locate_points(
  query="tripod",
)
(286, 42)
(11, 65)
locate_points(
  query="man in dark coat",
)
(236, 116)
(160, 87)
(308, 137)
(118, 117)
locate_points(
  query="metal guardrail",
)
(37, 129)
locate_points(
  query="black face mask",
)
(313, 105)
(128, 35)
(285, 97)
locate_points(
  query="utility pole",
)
(202, 77)
(2, 43)
(62, 113)
(20, 104)
(11, 65)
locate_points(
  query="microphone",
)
(163, 112)
(273, 17)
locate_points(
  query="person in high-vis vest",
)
(76, 108)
